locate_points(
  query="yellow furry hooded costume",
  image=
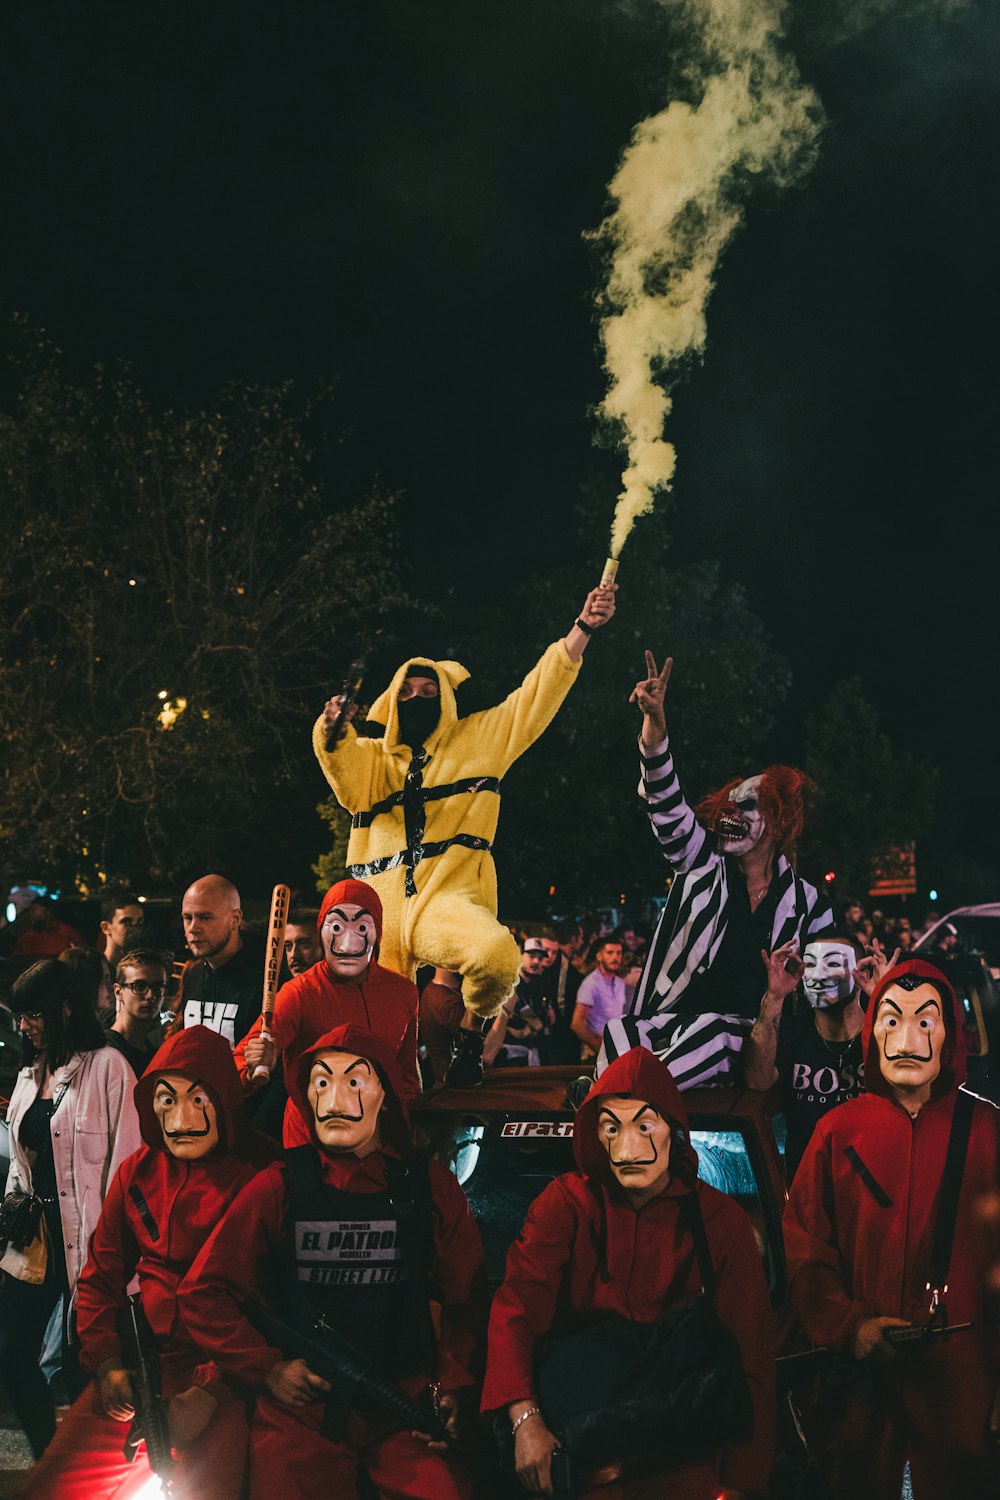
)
(424, 823)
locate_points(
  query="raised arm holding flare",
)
(425, 800)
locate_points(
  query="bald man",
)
(221, 986)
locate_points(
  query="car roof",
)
(988, 909)
(517, 1090)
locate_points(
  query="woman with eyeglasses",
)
(72, 1121)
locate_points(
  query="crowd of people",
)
(314, 1287)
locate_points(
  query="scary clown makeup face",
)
(740, 825)
(348, 935)
(187, 1115)
(909, 1030)
(637, 1139)
(346, 1097)
(828, 978)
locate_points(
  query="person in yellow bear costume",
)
(425, 800)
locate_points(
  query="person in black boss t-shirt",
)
(815, 1057)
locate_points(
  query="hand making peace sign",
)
(648, 694)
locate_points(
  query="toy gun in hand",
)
(919, 1335)
(563, 1481)
(151, 1421)
(791, 1367)
(349, 1372)
(348, 698)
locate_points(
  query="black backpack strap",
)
(951, 1187)
(409, 1186)
(696, 1224)
(690, 1210)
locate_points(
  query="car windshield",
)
(504, 1164)
(729, 1159)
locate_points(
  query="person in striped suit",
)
(735, 899)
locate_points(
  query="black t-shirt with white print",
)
(814, 1076)
(227, 999)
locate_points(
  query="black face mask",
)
(418, 717)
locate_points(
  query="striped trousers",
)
(700, 1051)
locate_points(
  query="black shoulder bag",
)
(20, 1211)
(671, 1392)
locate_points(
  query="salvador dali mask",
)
(909, 1030)
(637, 1139)
(346, 1096)
(740, 825)
(349, 935)
(829, 972)
(187, 1114)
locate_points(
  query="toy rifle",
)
(330, 1355)
(348, 698)
(151, 1413)
(791, 1367)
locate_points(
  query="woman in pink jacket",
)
(72, 1121)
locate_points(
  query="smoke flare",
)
(679, 191)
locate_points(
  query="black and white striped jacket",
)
(693, 922)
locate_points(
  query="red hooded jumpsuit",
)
(652, 1260)
(290, 1456)
(859, 1227)
(155, 1219)
(311, 1003)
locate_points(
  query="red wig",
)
(782, 792)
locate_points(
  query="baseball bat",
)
(280, 898)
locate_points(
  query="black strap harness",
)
(413, 799)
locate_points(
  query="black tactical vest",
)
(362, 1259)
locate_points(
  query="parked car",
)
(978, 929)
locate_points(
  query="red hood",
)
(354, 893)
(953, 1066)
(395, 1118)
(200, 1054)
(642, 1076)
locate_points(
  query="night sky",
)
(395, 193)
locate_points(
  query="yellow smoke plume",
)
(679, 194)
